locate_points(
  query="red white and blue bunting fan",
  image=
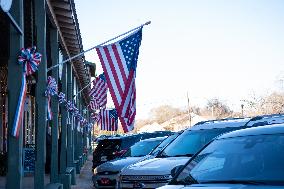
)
(30, 60)
(51, 90)
(61, 98)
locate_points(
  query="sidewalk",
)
(84, 179)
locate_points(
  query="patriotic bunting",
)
(51, 90)
(61, 98)
(29, 59)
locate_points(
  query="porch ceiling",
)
(64, 17)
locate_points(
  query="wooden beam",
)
(68, 31)
(63, 12)
(54, 173)
(64, 19)
(62, 5)
(67, 25)
(41, 101)
(15, 145)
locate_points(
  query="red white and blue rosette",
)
(61, 98)
(51, 90)
(69, 106)
(30, 60)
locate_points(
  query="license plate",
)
(104, 158)
(138, 185)
(105, 181)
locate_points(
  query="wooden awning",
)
(64, 17)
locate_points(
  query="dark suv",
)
(113, 147)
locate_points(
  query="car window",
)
(248, 158)
(165, 142)
(141, 148)
(189, 142)
(108, 145)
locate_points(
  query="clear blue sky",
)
(211, 48)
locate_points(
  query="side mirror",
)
(176, 170)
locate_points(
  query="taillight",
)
(119, 153)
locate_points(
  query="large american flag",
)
(98, 93)
(109, 120)
(119, 61)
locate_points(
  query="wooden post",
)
(15, 146)
(54, 177)
(75, 128)
(70, 153)
(41, 100)
(63, 146)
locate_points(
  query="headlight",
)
(95, 171)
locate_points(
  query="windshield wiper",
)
(188, 180)
(250, 182)
(183, 155)
(162, 156)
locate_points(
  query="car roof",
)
(239, 122)
(153, 139)
(266, 120)
(264, 130)
(222, 123)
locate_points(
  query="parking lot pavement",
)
(84, 179)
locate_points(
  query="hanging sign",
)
(6, 5)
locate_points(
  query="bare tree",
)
(218, 109)
(164, 113)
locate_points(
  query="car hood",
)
(118, 164)
(220, 186)
(155, 166)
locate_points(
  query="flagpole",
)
(71, 58)
(82, 90)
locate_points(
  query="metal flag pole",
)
(71, 58)
(82, 90)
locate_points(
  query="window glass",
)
(253, 158)
(141, 148)
(189, 142)
(163, 144)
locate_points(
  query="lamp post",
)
(242, 107)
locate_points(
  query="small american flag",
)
(98, 93)
(109, 120)
(119, 61)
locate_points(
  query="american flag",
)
(93, 105)
(119, 61)
(98, 93)
(109, 120)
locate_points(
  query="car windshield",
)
(141, 148)
(163, 144)
(190, 141)
(246, 160)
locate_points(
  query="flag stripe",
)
(115, 65)
(113, 71)
(112, 86)
(124, 73)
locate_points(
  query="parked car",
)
(245, 159)
(111, 148)
(106, 175)
(156, 172)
